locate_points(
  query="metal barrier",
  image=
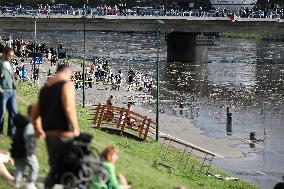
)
(123, 120)
(185, 151)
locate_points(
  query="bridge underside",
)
(188, 47)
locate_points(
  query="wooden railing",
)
(123, 120)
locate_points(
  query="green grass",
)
(254, 35)
(137, 159)
(78, 61)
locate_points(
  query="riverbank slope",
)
(136, 158)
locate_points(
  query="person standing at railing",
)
(129, 121)
(110, 101)
(109, 113)
(129, 107)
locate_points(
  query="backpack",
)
(22, 148)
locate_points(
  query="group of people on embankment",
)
(52, 118)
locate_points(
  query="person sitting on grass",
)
(110, 156)
(5, 158)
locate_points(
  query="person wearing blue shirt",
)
(24, 73)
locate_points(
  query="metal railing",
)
(185, 150)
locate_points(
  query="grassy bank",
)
(254, 35)
(136, 158)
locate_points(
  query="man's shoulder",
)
(68, 83)
(68, 87)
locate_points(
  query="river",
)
(245, 75)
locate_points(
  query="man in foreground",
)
(56, 108)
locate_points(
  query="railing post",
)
(142, 126)
(110, 113)
(96, 114)
(101, 116)
(147, 129)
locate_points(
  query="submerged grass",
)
(137, 159)
(254, 35)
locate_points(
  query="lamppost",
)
(84, 21)
(158, 24)
(34, 78)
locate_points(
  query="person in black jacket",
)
(280, 185)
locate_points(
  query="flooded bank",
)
(247, 76)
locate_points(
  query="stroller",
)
(79, 165)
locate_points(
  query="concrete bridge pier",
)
(188, 47)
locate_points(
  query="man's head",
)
(8, 54)
(64, 69)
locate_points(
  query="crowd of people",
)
(122, 10)
(64, 9)
(100, 71)
(51, 118)
(25, 48)
(40, 53)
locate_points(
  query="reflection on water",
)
(244, 75)
(229, 129)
